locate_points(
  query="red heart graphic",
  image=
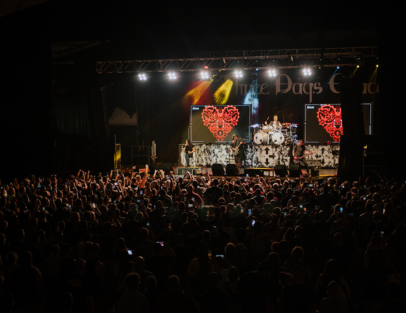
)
(330, 118)
(220, 121)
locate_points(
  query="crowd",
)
(133, 242)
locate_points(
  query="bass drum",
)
(278, 138)
(260, 138)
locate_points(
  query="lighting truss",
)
(247, 60)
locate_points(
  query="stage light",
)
(172, 76)
(307, 72)
(338, 67)
(142, 76)
(238, 74)
(205, 76)
(206, 67)
(377, 65)
(357, 66)
(272, 73)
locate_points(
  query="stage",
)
(200, 170)
(261, 156)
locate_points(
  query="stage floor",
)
(322, 172)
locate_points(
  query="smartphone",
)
(39, 186)
(148, 224)
(193, 199)
(301, 206)
(364, 198)
(116, 184)
(130, 252)
(161, 243)
(249, 211)
(69, 207)
(220, 256)
(351, 214)
(190, 205)
(202, 206)
(341, 209)
(285, 214)
(382, 233)
(310, 185)
(252, 222)
(43, 209)
(138, 200)
(342, 187)
(141, 192)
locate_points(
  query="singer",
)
(189, 149)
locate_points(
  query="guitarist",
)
(236, 145)
(300, 151)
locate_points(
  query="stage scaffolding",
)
(245, 59)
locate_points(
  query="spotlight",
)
(338, 67)
(205, 76)
(357, 66)
(307, 72)
(272, 73)
(377, 65)
(172, 76)
(206, 67)
(238, 74)
(142, 76)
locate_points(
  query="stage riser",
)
(261, 156)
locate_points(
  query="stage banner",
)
(325, 156)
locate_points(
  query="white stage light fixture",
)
(238, 74)
(338, 67)
(307, 72)
(205, 76)
(272, 73)
(172, 76)
(142, 76)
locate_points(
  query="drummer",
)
(275, 124)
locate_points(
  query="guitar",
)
(235, 151)
(296, 160)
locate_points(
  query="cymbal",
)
(255, 125)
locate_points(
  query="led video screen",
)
(218, 123)
(323, 122)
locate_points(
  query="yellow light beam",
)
(193, 95)
(223, 92)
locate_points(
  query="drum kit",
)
(282, 134)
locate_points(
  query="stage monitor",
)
(323, 122)
(217, 123)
